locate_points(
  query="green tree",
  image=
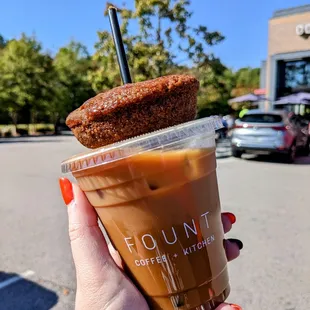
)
(3, 113)
(2, 42)
(217, 82)
(141, 57)
(70, 86)
(165, 23)
(23, 77)
(163, 43)
(246, 81)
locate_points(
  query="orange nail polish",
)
(66, 190)
(236, 307)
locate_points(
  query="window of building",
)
(293, 76)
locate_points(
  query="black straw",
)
(119, 46)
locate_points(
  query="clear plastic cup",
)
(157, 197)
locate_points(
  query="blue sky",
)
(55, 22)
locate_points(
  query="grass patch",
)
(25, 130)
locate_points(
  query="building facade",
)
(287, 68)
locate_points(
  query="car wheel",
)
(291, 155)
(236, 153)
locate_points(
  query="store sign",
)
(303, 29)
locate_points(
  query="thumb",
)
(89, 248)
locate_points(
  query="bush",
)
(22, 131)
(7, 134)
(44, 130)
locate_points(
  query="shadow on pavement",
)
(24, 294)
(278, 160)
(219, 156)
(30, 141)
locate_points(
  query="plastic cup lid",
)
(161, 139)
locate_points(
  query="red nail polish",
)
(231, 217)
(66, 190)
(236, 307)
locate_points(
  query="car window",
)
(262, 118)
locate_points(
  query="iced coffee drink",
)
(157, 197)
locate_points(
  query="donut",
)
(134, 109)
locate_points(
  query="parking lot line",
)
(22, 276)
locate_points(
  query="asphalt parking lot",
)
(269, 198)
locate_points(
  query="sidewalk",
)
(35, 139)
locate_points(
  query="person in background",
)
(223, 132)
(243, 111)
(230, 121)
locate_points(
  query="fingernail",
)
(66, 190)
(236, 307)
(231, 217)
(237, 241)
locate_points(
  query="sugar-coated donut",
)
(134, 109)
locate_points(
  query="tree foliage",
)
(2, 42)
(247, 80)
(70, 83)
(159, 39)
(163, 43)
(23, 76)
